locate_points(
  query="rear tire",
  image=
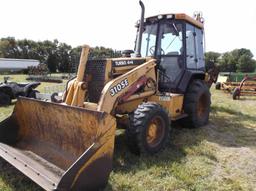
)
(5, 99)
(197, 101)
(148, 131)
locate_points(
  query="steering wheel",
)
(152, 50)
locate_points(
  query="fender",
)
(188, 76)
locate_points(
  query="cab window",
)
(171, 39)
(194, 47)
(149, 40)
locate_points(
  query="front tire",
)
(197, 101)
(148, 132)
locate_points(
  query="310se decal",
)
(117, 88)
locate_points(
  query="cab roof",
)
(177, 16)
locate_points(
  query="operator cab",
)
(176, 41)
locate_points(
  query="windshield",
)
(149, 40)
(170, 36)
(171, 39)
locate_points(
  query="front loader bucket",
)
(58, 146)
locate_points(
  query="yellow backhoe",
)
(68, 145)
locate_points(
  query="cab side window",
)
(194, 47)
(200, 49)
(190, 44)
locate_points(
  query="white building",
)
(10, 64)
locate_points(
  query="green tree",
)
(50, 54)
(246, 64)
(9, 48)
(63, 52)
(243, 58)
(211, 58)
(226, 63)
(74, 58)
(238, 60)
(57, 56)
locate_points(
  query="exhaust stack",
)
(138, 45)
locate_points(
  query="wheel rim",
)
(202, 105)
(155, 131)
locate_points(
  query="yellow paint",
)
(105, 146)
(77, 88)
(171, 102)
(107, 101)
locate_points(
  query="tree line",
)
(237, 60)
(62, 57)
(59, 57)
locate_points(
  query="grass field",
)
(218, 156)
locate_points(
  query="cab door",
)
(170, 54)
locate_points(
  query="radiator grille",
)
(96, 70)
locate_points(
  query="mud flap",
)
(57, 146)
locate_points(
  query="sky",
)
(110, 23)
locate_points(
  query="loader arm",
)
(125, 86)
(77, 88)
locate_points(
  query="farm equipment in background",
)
(69, 145)
(12, 90)
(221, 82)
(45, 78)
(247, 87)
(40, 73)
(52, 93)
(224, 82)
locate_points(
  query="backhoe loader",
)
(68, 145)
